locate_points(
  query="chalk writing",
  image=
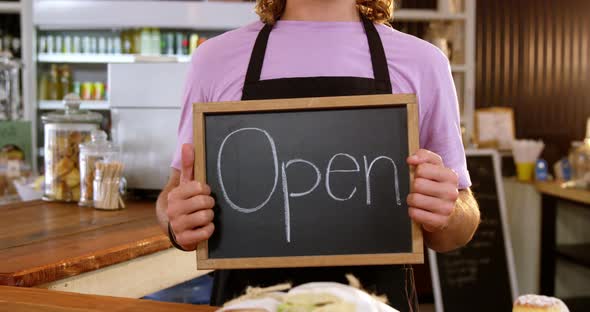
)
(287, 195)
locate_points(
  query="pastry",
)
(310, 297)
(537, 303)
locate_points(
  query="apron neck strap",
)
(378, 58)
(257, 56)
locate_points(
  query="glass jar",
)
(90, 153)
(64, 132)
(109, 185)
(580, 160)
(10, 102)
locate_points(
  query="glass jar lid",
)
(98, 145)
(72, 113)
(7, 62)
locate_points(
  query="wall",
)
(534, 56)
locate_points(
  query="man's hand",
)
(434, 191)
(190, 206)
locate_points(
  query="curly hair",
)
(378, 11)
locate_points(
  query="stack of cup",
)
(526, 153)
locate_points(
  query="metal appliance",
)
(145, 100)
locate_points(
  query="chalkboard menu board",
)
(308, 182)
(480, 276)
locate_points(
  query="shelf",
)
(425, 15)
(106, 58)
(202, 15)
(10, 7)
(458, 68)
(95, 105)
(576, 253)
(75, 14)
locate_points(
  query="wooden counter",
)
(553, 189)
(551, 194)
(40, 300)
(43, 244)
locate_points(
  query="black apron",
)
(396, 282)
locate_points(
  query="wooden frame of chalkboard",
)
(439, 298)
(201, 110)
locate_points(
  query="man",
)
(316, 41)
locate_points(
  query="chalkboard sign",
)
(308, 182)
(480, 276)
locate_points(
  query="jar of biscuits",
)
(64, 132)
(92, 152)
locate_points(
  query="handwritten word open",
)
(285, 180)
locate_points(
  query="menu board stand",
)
(468, 278)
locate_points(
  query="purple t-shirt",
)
(309, 49)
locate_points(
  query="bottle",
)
(98, 91)
(194, 41)
(136, 41)
(169, 44)
(155, 46)
(110, 45)
(65, 81)
(77, 44)
(42, 44)
(580, 158)
(44, 87)
(185, 45)
(102, 45)
(93, 45)
(52, 86)
(86, 91)
(77, 88)
(117, 48)
(50, 44)
(127, 41)
(59, 85)
(16, 43)
(59, 47)
(178, 42)
(146, 42)
(85, 45)
(67, 44)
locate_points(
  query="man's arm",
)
(461, 227)
(448, 216)
(162, 202)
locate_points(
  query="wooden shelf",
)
(10, 7)
(576, 253)
(458, 68)
(425, 15)
(95, 105)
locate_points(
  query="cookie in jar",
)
(64, 132)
